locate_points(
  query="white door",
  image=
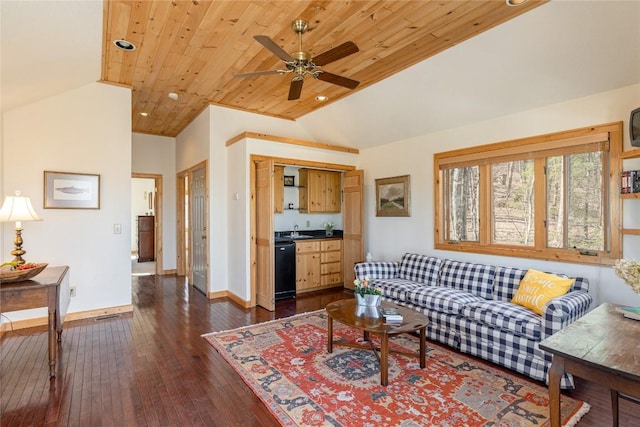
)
(199, 229)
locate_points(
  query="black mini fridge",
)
(285, 270)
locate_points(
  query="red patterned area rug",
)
(286, 364)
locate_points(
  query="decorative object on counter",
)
(629, 271)
(12, 272)
(366, 295)
(68, 190)
(392, 196)
(17, 209)
(328, 228)
(369, 257)
(289, 181)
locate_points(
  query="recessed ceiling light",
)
(516, 2)
(321, 98)
(124, 44)
(143, 114)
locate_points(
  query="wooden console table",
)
(48, 289)
(602, 347)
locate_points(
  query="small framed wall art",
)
(289, 180)
(69, 190)
(393, 196)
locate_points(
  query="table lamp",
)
(18, 208)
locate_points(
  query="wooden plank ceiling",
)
(194, 48)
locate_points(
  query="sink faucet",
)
(295, 231)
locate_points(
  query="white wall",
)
(157, 155)
(389, 238)
(86, 130)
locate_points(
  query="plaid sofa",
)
(469, 308)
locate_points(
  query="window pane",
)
(461, 209)
(575, 209)
(512, 196)
(585, 213)
(555, 202)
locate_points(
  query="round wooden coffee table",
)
(349, 313)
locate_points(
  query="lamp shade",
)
(18, 208)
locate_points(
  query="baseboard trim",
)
(233, 297)
(168, 272)
(89, 314)
(15, 325)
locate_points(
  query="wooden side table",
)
(48, 289)
(601, 346)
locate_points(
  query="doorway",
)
(192, 221)
(262, 210)
(146, 224)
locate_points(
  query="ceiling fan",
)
(301, 63)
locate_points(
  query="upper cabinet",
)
(278, 189)
(319, 191)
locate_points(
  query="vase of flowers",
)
(629, 271)
(328, 228)
(366, 295)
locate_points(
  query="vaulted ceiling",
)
(194, 48)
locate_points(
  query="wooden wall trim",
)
(15, 325)
(233, 297)
(294, 141)
(303, 163)
(89, 314)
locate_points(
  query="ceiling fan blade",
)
(274, 48)
(338, 80)
(258, 73)
(295, 89)
(338, 52)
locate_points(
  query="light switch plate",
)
(117, 228)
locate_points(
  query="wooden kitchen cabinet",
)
(320, 191)
(307, 265)
(278, 189)
(318, 264)
(330, 262)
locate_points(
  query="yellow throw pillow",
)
(538, 288)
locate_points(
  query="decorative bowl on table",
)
(10, 276)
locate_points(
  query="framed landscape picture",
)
(68, 190)
(392, 196)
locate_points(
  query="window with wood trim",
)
(548, 197)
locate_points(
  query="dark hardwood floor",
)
(152, 367)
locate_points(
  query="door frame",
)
(252, 178)
(157, 209)
(184, 263)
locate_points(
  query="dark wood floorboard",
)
(152, 367)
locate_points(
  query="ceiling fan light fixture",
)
(515, 2)
(124, 45)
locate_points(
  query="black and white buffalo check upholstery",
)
(469, 308)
